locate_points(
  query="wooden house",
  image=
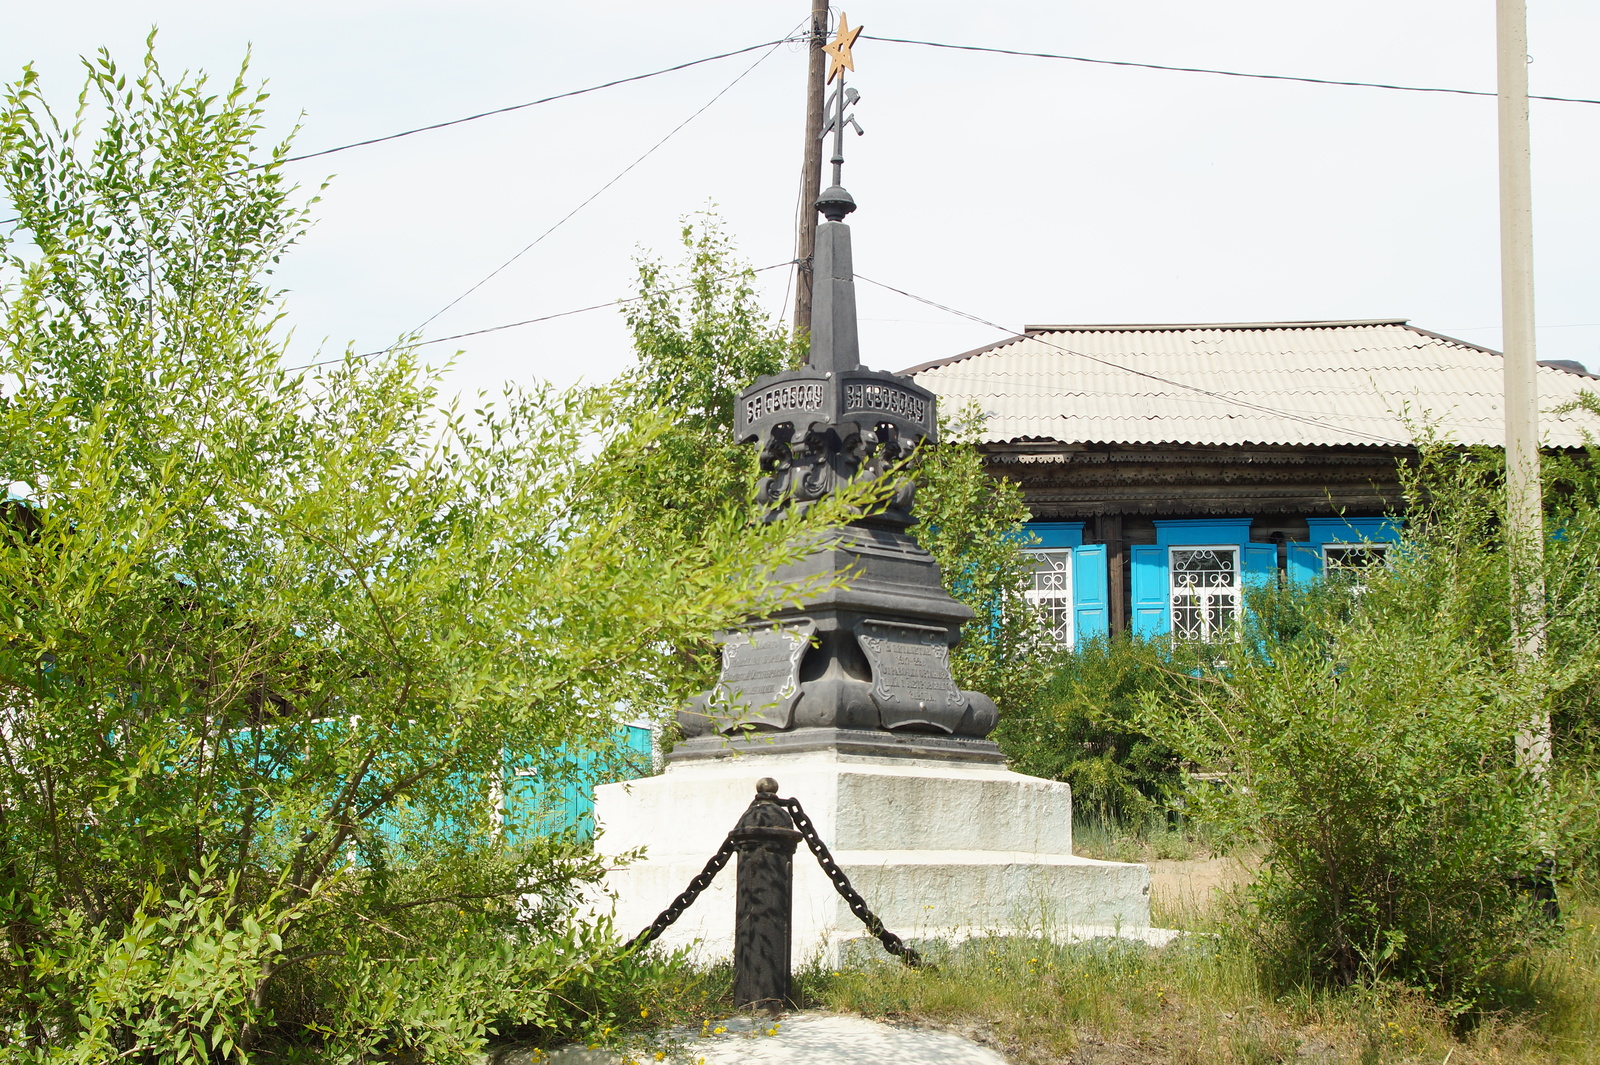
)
(1167, 466)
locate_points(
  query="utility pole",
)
(1524, 502)
(811, 169)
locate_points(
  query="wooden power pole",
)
(1524, 502)
(811, 169)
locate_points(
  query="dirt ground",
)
(1188, 887)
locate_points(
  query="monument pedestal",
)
(936, 834)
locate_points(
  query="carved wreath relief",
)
(802, 466)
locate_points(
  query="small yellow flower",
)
(718, 1030)
(661, 1055)
(644, 1013)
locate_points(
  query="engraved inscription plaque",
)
(875, 395)
(911, 680)
(779, 399)
(761, 675)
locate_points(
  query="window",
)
(1205, 591)
(1052, 591)
(1348, 563)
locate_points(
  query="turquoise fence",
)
(558, 794)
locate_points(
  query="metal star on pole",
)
(839, 48)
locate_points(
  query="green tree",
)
(974, 525)
(266, 639)
(699, 337)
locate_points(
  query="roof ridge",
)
(1172, 327)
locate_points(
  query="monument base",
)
(940, 847)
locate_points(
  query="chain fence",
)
(841, 883)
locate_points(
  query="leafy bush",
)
(974, 526)
(1368, 737)
(1084, 728)
(268, 638)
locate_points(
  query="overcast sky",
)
(1018, 190)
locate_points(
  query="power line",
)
(1257, 407)
(1211, 70)
(527, 321)
(774, 45)
(536, 103)
(925, 44)
(517, 107)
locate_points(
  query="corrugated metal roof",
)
(1363, 382)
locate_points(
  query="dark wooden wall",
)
(1119, 490)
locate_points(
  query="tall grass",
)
(1205, 1000)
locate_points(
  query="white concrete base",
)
(939, 850)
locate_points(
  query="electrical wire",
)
(525, 321)
(925, 44)
(517, 107)
(774, 46)
(1221, 397)
(536, 103)
(1211, 70)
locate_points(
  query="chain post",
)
(764, 901)
(765, 840)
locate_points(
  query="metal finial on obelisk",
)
(834, 202)
(834, 344)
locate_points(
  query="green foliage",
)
(1368, 737)
(267, 640)
(974, 525)
(1084, 728)
(699, 337)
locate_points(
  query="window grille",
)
(1349, 563)
(1205, 592)
(1052, 592)
(1353, 556)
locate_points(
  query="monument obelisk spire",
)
(864, 667)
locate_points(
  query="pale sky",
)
(1018, 190)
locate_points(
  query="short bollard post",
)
(765, 840)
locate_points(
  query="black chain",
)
(701, 881)
(841, 883)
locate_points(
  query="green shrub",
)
(1367, 737)
(1084, 728)
(269, 638)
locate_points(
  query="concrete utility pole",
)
(1524, 502)
(811, 168)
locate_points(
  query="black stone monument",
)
(862, 669)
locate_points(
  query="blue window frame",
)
(1070, 582)
(1202, 566)
(1336, 541)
